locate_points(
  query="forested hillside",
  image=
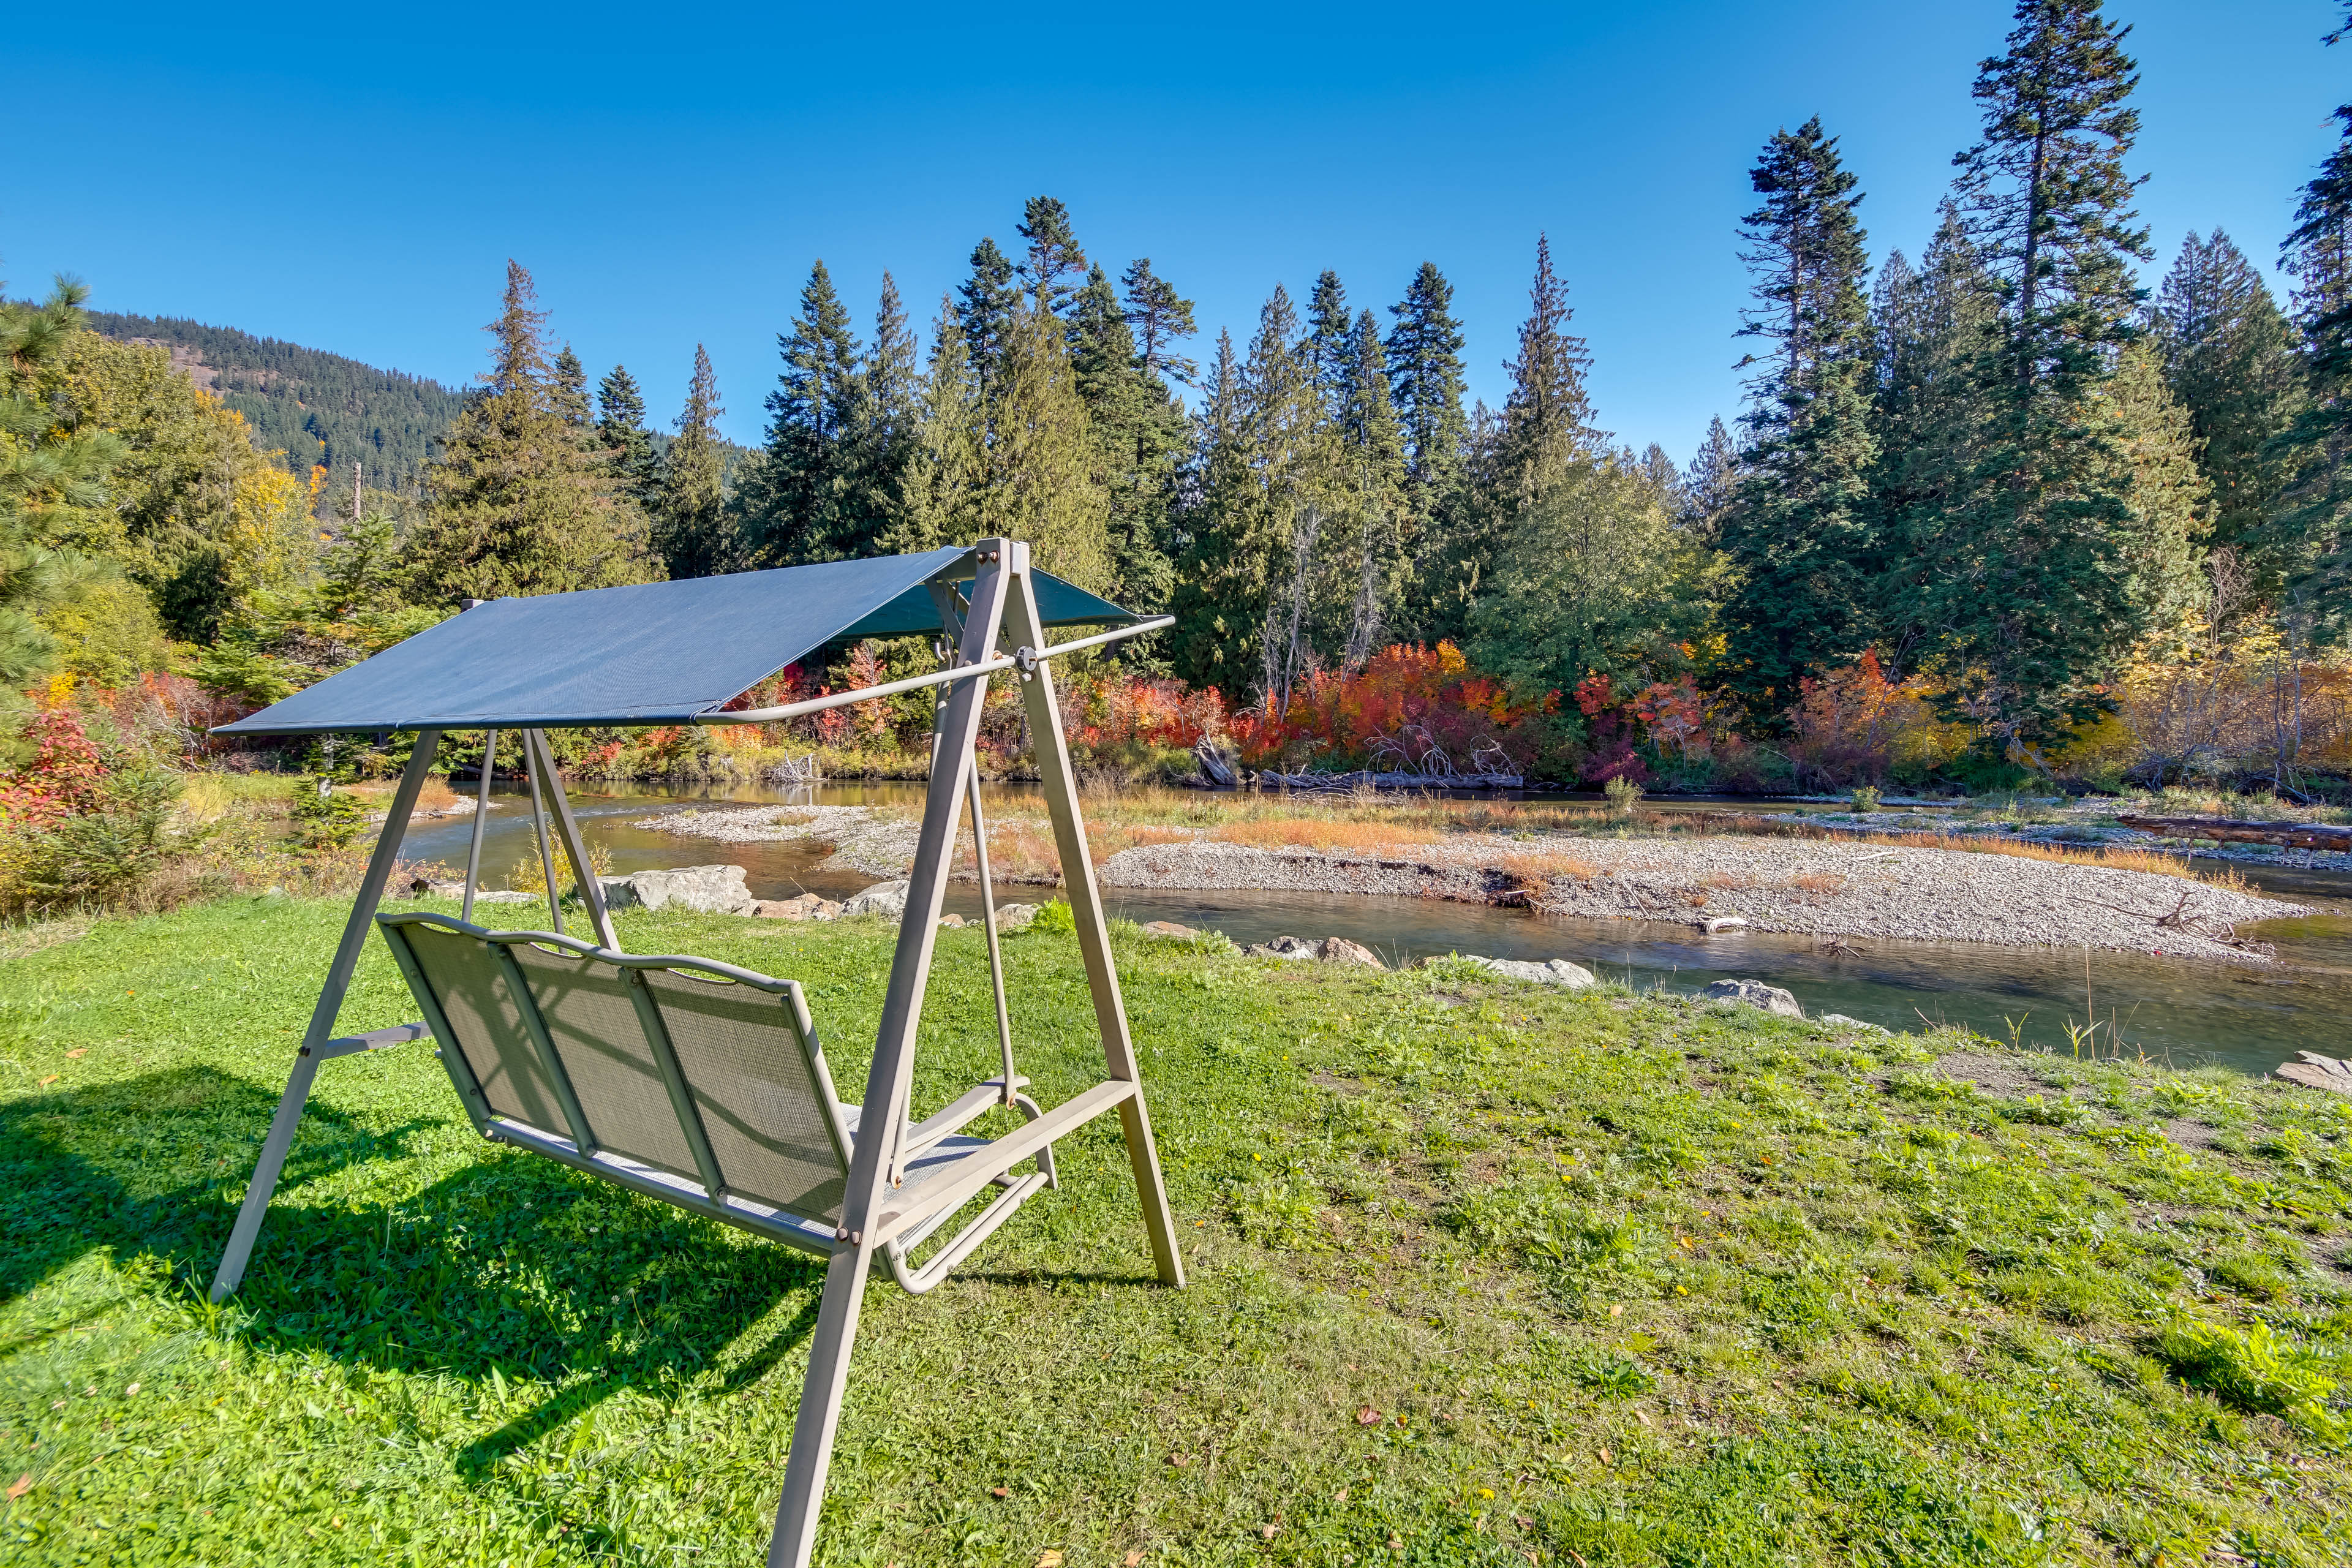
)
(319, 408)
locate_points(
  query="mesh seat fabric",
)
(598, 1036)
(471, 986)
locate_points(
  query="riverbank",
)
(1479, 1271)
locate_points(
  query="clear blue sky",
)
(354, 180)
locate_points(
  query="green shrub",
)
(1055, 916)
(2255, 1369)
(1865, 798)
(324, 816)
(1623, 794)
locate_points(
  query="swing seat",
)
(705, 1086)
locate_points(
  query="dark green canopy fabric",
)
(651, 653)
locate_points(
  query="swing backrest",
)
(698, 1069)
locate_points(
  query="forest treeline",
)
(2010, 477)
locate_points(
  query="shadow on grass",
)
(506, 1265)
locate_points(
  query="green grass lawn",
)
(1480, 1274)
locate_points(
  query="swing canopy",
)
(650, 653)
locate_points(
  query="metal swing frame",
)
(1001, 614)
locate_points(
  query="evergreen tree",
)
(799, 504)
(1054, 263)
(2228, 359)
(1139, 431)
(885, 432)
(628, 444)
(1226, 536)
(948, 471)
(1371, 444)
(1330, 340)
(1712, 481)
(2171, 500)
(517, 504)
(1160, 319)
(1041, 485)
(568, 389)
(692, 532)
(1424, 350)
(1293, 468)
(2029, 598)
(984, 309)
(1548, 420)
(1798, 538)
(2309, 539)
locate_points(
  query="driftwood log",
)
(1343, 781)
(2293, 835)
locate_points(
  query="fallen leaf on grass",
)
(1134, 1558)
(20, 1486)
(47, 1081)
(1180, 1460)
(996, 1492)
(1050, 1558)
(76, 1054)
(1607, 1458)
(1268, 1531)
(1367, 1416)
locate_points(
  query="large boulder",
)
(1755, 993)
(705, 889)
(1552, 971)
(1011, 918)
(2315, 1071)
(806, 907)
(881, 898)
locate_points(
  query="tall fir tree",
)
(799, 503)
(47, 465)
(1424, 350)
(1548, 420)
(1330, 340)
(1138, 432)
(2030, 601)
(2228, 359)
(884, 427)
(517, 504)
(2309, 537)
(1711, 483)
(1798, 536)
(1226, 535)
(1161, 320)
(568, 389)
(2154, 458)
(1052, 267)
(628, 444)
(985, 306)
(1372, 479)
(1040, 484)
(693, 532)
(947, 472)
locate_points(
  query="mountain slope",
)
(319, 407)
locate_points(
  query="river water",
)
(2246, 1016)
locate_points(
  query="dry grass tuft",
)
(1541, 868)
(1818, 882)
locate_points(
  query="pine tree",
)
(1040, 486)
(2309, 538)
(692, 532)
(1160, 319)
(1372, 445)
(1425, 384)
(947, 472)
(1799, 537)
(1054, 263)
(1548, 420)
(1330, 340)
(517, 504)
(1712, 481)
(628, 444)
(1139, 431)
(2228, 359)
(568, 389)
(984, 309)
(884, 433)
(799, 504)
(1225, 533)
(2029, 597)
(2171, 500)
(1293, 467)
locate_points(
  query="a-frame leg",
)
(889, 1080)
(1025, 627)
(274, 1148)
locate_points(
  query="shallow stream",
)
(2248, 1016)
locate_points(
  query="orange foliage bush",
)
(1853, 724)
(1425, 700)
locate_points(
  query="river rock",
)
(422, 888)
(2315, 1071)
(1552, 971)
(1011, 918)
(806, 907)
(1281, 947)
(1755, 993)
(881, 898)
(1168, 928)
(705, 889)
(1340, 950)
(1842, 1022)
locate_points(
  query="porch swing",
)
(695, 1082)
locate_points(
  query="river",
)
(2250, 1018)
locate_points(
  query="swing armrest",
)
(943, 1124)
(374, 1040)
(956, 1182)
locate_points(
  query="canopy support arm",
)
(273, 1147)
(575, 848)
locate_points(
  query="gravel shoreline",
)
(1821, 887)
(863, 842)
